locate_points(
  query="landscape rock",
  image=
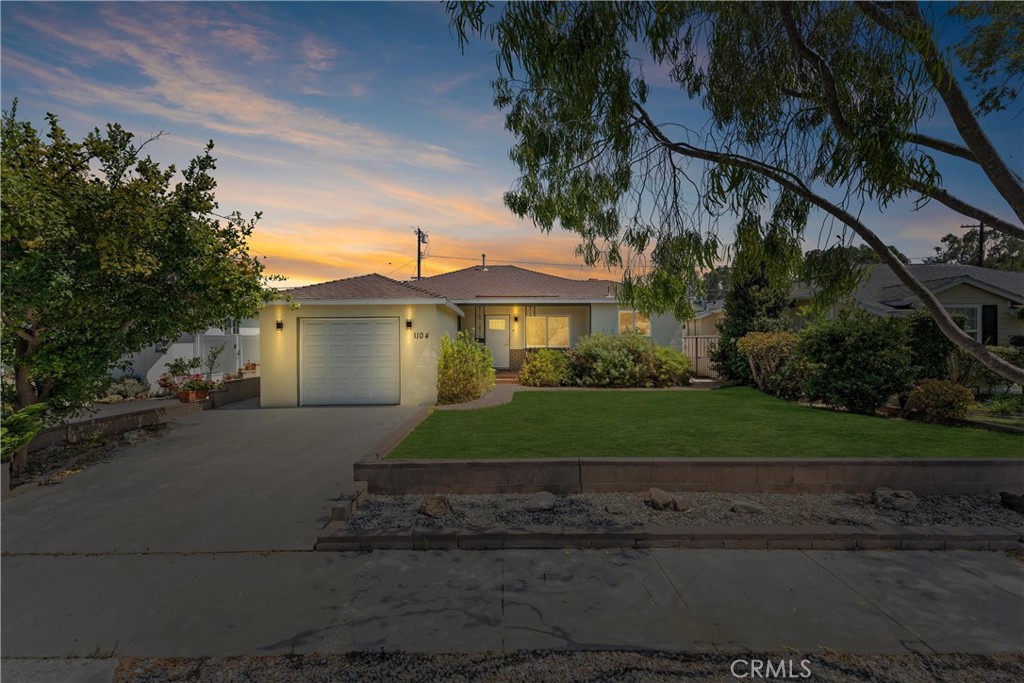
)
(135, 436)
(436, 507)
(747, 506)
(541, 501)
(663, 500)
(901, 501)
(1012, 501)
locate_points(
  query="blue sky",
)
(344, 123)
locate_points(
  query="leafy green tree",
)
(1002, 252)
(103, 256)
(810, 106)
(752, 304)
(861, 255)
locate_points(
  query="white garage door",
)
(348, 361)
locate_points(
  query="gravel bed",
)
(559, 667)
(631, 510)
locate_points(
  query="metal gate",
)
(697, 350)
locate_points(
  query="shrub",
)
(20, 428)
(751, 305)
(766, 352)
(1008, 404)
(464, 369)
(545, 368)
(969, 371)
(857, 361)
(601, 360)
(939, 400)
(930, 350)
(789, 382)
(671, 367)
(125, 389)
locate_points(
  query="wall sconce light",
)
(280, 325)
(408, 323)
(515, 318)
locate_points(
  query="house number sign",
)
(421, 335)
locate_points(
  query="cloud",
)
(187, 87)
(316, 54)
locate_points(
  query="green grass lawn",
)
(736, 422)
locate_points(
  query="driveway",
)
(232, 479)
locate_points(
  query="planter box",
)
(193, 396)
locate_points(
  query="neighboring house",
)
(370, 339)
(240, 339)
(991, 300)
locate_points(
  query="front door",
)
(498, 340)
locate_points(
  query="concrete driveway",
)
(236, 478)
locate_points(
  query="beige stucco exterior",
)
(419, 347)
(964, 295)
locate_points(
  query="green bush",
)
(857, 361)
(939, 400)
(601, 360)
(671, 367)
(969, 371)
(1008, 404)
(464, 369)
(930, 350)
(789, 382)
(20, 428)
(766, 352)
(545, 368)
(124, 389)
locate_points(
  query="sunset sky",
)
(345, 123)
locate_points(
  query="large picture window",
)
(547, 331)
(971, 313)
(632, 321)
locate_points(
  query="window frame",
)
(547, 332)
(976, 333)
(635, 318)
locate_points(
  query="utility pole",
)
(421, 239)
(981, 242)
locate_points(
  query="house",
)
(991, 300)
(240, 339)
(373, 340)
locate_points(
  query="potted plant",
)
(195, 388)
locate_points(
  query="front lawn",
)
(736, 422)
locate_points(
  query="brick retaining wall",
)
(604, 475)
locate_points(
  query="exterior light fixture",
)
(408, 323)
(515, 318)
(280, 325)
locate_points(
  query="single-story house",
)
(991, 300)
(373, 340)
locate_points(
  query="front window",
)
(971, 313)
(547, 331)
(633, 321)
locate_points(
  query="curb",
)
(336, 537)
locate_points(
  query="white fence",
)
(697, 349)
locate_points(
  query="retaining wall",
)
(604, 475)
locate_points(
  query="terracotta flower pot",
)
(187, 396)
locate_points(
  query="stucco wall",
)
(279, 354)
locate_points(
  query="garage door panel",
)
(349, 361)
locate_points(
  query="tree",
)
(1001, 251)
(752, 304)
(861, 255)
(102, 257)
(809, 105)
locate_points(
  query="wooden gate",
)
(697, 350)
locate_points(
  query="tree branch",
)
(969, 210)
(914, 30)
(795, 185)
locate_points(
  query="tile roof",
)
(371, 286)
(513, 282)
